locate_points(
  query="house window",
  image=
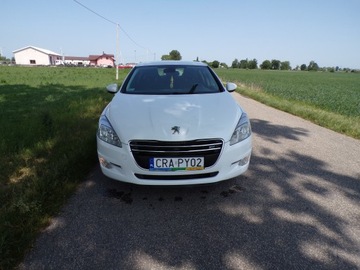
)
(33, 62)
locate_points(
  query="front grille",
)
(144, 150)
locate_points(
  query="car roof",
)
(171, 63)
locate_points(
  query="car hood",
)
(173, 117)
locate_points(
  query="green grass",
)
(48, 119)
(328, 99)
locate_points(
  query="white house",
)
(35, 56)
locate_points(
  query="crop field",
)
(48, 119)
(329, 99)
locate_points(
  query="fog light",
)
(104, 163)
(244, 161)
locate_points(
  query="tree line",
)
(5, 60)
(273, 64)
(284, 65)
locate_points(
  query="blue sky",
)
(326, 31)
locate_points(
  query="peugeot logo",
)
(175, 129)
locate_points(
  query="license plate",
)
(176, 164)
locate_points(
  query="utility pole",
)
(117, 51)
(62, 56)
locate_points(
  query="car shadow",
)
(273, 132)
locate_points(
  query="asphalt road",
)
(298, 207)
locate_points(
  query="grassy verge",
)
(327, 99)
(343, 124)
(47, 144)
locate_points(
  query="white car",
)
(173, 123)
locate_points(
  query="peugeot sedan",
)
(173, 123)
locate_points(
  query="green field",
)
(329, 99)
(48, 119)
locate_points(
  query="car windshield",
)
(171, 80)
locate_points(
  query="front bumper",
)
(119, 164)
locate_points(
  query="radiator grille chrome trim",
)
(143, 150)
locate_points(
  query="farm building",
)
(76, 61)
(41, 57)
(35, 56)
(103, 60)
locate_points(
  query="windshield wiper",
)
(192, 90)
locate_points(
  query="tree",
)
(215, 64)
(223, 65)
(173, 55)
(303, 67)
(165, 57)
(243, 63)
(265, 64)
(285, 65)
(235, 63)
(252, 64)
(313, 66)
(6, 60)
(275, 64)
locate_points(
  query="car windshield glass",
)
(171, 80)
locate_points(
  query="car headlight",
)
(107, 133)
(242, 130)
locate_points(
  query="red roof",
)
(95, 57)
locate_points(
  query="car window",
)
(171, 80)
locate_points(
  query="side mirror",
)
(112, 88)
(230, 86)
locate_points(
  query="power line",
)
(112, 22)
(106, 19)
(137, 44)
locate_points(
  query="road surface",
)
(297, 207)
